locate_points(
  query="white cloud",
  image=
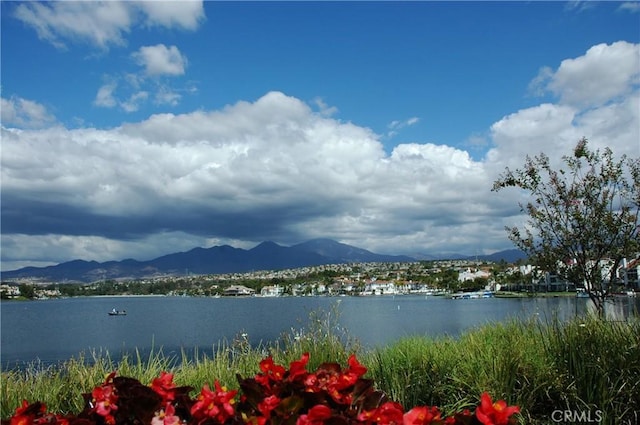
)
(325, 109)
(133, 103)
(129, 91)
(24, 113)
(166, 96)
(185, 14)
(260, 170)
(104, 23)
(599, 99)
(396, 125)
(604, 73)
(99, 23)
(105, 97)
(160, 60)
(277, 169)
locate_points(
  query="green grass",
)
(585, 364)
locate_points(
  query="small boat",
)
(115, 312)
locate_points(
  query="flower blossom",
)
(498, 413)
(167, 416)
(271, 372)
(217, 405)
(104, 399)
(389, 413)
(266, 406)
(298, 368)
(27, 414)
(316, 415)
(336, 383)
(423, 415)
(164, 387)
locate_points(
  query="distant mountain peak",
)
(267, 255)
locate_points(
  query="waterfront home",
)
(271, 291)
(380, 288)
(238, 291)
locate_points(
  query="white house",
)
(271, 291)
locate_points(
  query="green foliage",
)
(583, 364)
(27, 291)
(579, 215)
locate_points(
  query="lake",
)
(51, 331)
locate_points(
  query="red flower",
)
(271, 372)
(355, 367)
(298, 368)
(336, 383)
(166, 416)
(351, 375)
(423, 415)
(216, 404)
(267, 405)
(390, 413)
(497, 413)
(330, 381)
(104, 399)
(27, 413)
(164, 387)
(316, 415)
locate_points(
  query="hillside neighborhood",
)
(445, 277)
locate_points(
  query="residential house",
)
(238, 291)
(271, 291)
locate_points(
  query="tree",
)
(27, 291)
(582, 219)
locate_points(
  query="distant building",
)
(380, 288)
(271, 291)
(238, 291)
(468, 274)
(628, 272)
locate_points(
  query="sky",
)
(140, 128)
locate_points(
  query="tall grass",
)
(585, 364)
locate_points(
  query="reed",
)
(585, 364)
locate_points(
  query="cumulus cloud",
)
(603, 74)
(160, 60)
(104, 23)
(270, 169)
(598, 99)
(278, 169)
(24, 113)
(187, 14)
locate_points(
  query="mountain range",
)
(227, 259)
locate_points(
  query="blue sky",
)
(379, 124)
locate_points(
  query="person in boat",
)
(114, 311)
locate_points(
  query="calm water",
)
(56, 330)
